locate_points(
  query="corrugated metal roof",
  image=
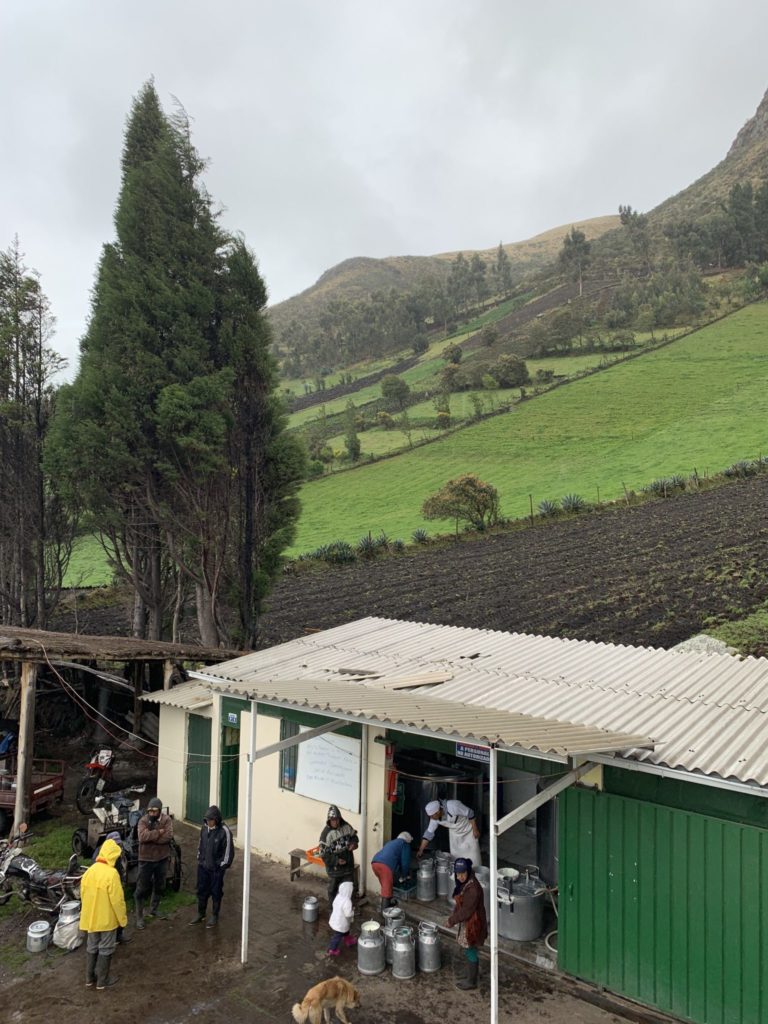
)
(705, 712)
(451, 718)
(190, 696)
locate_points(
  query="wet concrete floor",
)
(173, 972)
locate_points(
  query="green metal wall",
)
(665, 906)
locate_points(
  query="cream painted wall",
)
(283, 820)
(172, 756)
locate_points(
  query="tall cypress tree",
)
(152, 434)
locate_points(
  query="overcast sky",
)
(352, 128)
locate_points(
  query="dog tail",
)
(299, 1013)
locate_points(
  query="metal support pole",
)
(26, 742)
(363, 807)
(493, 812)
(247, 838)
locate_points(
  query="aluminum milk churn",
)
(309, 909)
(394, 917)
(425, 881)
(371, 957)
(483, 875)
(429, 947)
(403, 953)
(443, 877)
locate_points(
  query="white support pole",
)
(363, 859)
(493, 812)
(247, 838)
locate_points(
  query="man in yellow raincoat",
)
(102, 912)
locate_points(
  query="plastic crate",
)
(405, 891)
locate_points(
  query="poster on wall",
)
(329, 770)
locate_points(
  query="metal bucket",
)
(403, 953)
(309, 909)
(70, 911)
(425, 881)
(521, 908)
(429, 947)
(38, 936)
(371, 953)
(394, 917)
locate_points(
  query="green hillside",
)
(702, 401)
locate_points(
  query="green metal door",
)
(665, 906)
(230, 755)
(197, 799)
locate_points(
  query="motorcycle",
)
(22, 876)
(98, 772)
(120, 812)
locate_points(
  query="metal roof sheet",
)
(190, 696)
(705, 712)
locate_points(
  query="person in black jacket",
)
(215, 853)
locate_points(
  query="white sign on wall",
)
(329, 770)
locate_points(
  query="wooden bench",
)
(298, 859)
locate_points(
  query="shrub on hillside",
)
(385, 420)
(549, 509)
(468, 499)
(420, 536)
(572, 503)
(443, 420)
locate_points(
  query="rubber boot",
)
(470, 978)
(201, 905)
(386, 901)
(103, 979)
(139, 914)
(90, 969)
(153, 908)
(213, 920)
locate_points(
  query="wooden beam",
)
(26, 742)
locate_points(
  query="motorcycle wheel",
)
(86, 794)
(80, 843)
(173, 878)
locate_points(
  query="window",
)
(289, 757)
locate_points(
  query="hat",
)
(462, 864)
(155, 802)
(406, 836)
(333, 812)
(116, 836)
(432, 807)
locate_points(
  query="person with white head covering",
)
(392, 861)
(464, 833)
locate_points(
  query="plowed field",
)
(653, 574)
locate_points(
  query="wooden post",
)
(167, 673)
(26, 742)
(138, 690)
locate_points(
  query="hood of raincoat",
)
(214, 813)
(110, 852)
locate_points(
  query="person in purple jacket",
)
(392, 861)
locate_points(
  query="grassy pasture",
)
(702, 401)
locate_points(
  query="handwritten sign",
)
(329, 770)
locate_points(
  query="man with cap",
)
(102, 912)
(392, 861)
(215, 853)
(155, 832)
(464, 834)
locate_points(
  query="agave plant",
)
(420, 537)
(572, 503)
(549, 508)
(339, 552)
(367, 547)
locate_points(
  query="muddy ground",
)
(174, 972)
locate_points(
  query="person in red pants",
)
(392, 861)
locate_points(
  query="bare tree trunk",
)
(206, 619)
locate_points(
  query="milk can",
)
(442, 877)
(309, 909)
(425, 881)
(394, 917)
(483, 875)
(38, 936)
(429, 947)
(371, 955)
(403, 953)
(70, 911)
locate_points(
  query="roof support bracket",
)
(522, 812)
(302, 737)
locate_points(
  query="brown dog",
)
(336, 993)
